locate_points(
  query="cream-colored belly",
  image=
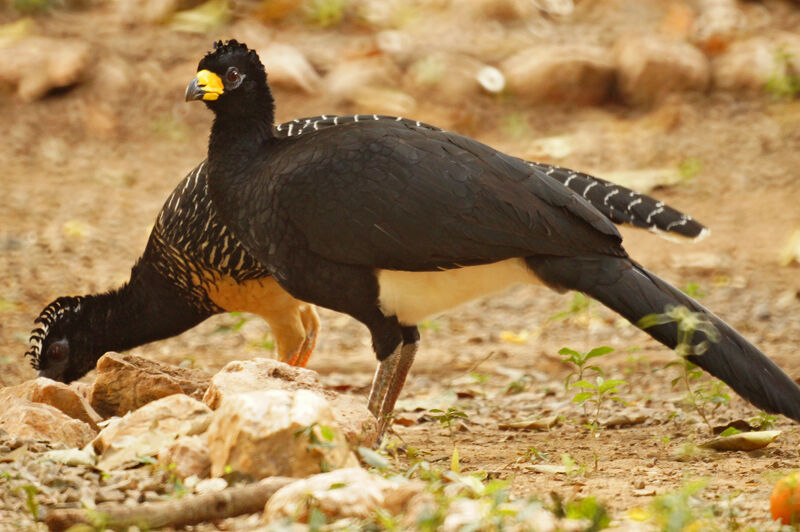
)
(413, 296)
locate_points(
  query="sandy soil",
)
(78, 200)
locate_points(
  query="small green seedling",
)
(319, 436)
(578, 305)
(517, 385)
(326, 13)
(598, 393)
(763, 421)
(688, 324)
(239, 322)
(580, 360)
(784, 84)
(689, 168)
(446, 418)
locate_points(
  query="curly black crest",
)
(224, 52)
(52, 313)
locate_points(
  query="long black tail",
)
(627, 288)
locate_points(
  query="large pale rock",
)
(36, 65)
(145, 431)
(126, 382)
(56, 394)
(187, 456)
(351, 414)
(750, 64)
(357, 494)
(38, 421)
(651, 67)
(574, 73)
(276, 432)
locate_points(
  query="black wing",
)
(397, 196)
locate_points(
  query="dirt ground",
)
(77, 201)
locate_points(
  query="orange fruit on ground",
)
(784, 503)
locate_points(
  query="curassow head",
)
(59, 347)
(231, 79)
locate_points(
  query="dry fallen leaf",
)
(514, 338)
(744, 441)
(547, 468)
(532, 424)
(791, 250)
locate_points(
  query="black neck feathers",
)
(148, 308)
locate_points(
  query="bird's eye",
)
(232, 75)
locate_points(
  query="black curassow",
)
(193, 268)
(390, 222)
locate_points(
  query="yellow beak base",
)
(206, 86)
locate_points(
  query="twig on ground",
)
(188, 510)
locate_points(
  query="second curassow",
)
(390, 222)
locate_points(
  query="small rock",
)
(70, 457)
(651, 67)
(210, 485)
(718, 23)
(145, 431)
(357, 494)
(751, 64)
(189, 454)
(56, 394)
(37, 421)
(357, 423)
(449, 76)
(36, 65)
(464, 513)
(573, 73)
(126, 382)
(276, 432)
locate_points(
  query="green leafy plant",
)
(33, 6)
(446, 418)
(689, 168)
(589, 508)
(598, 393)
(320, 437)
(517, 385)
(238, 323)
(580, 360)
(694, 290)
(30, 499)
(676, 511)
(784, 83)
(689, 323)
(579, 304)
(267, 343)
(326, 13)
(763, 421)
(430, 326)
